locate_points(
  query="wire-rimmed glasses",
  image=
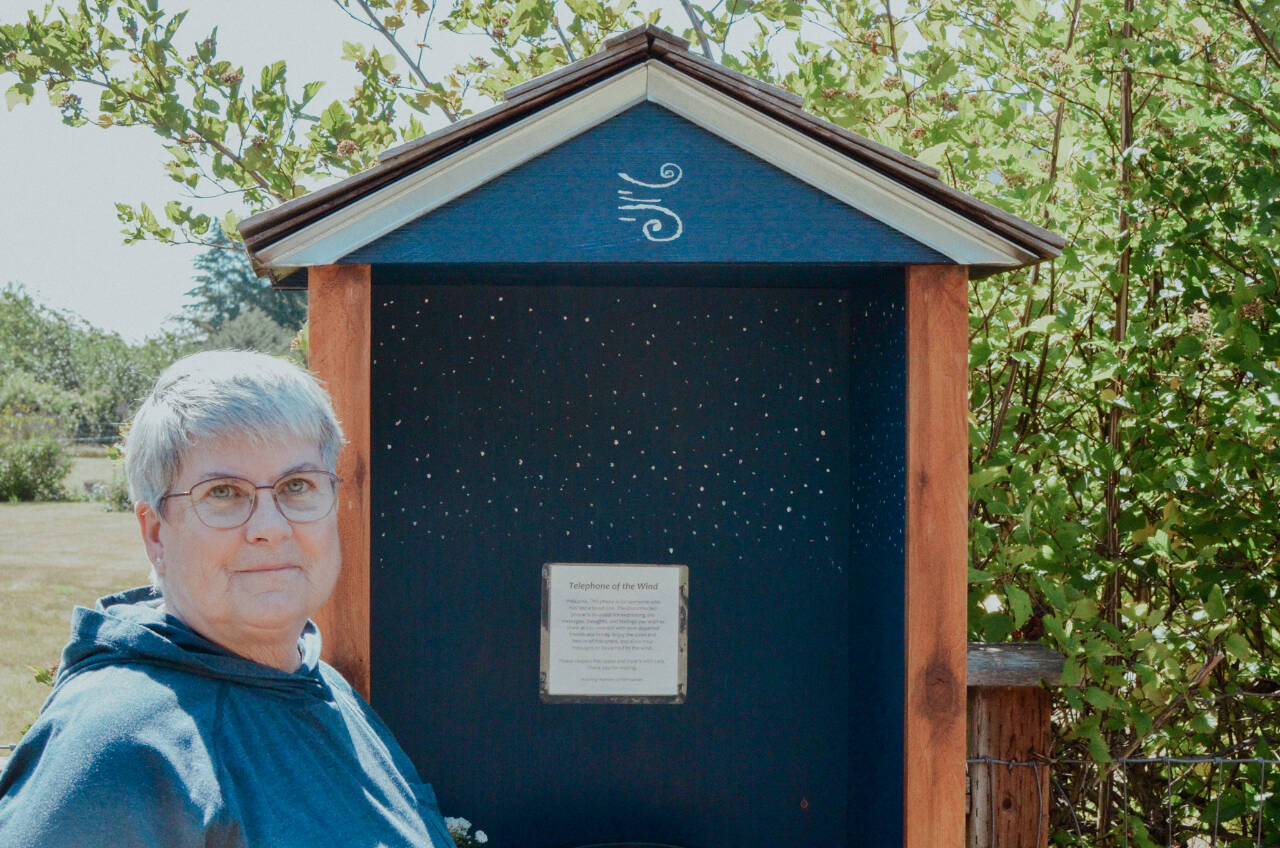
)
(225, 502)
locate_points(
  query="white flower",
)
(481, 837)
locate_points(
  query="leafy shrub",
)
(115, 494)
(300, 347)
(32, 469)
(35, 420)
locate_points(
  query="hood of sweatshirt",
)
(130, 629)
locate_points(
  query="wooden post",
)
(340, 355)
(937, 555)
(1009, 720)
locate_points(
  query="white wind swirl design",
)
(654, 229)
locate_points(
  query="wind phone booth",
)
(654, 502)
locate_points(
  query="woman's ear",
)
(149, 525)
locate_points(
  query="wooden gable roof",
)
(644, 64)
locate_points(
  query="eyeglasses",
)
(226, 502)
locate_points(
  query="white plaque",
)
(614, 632)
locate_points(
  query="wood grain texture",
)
(340, 355)
(1009, 806)
(1014, 664)
(936, 560)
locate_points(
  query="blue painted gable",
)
(645, 186)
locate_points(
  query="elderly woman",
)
(197, 712)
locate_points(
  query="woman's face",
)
(250, 588)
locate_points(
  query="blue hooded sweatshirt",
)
(155, 737)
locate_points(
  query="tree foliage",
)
(88, 378)
(62, 379)
(1124, 397)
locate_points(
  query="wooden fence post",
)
(1008, 719)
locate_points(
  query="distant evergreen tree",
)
(252, 329)
(227, 286)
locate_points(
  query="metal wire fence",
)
(1207, 802)
(1144, 802)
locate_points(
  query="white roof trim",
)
(849, 181)
(393, 206)
(373, 216)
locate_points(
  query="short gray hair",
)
(208, 395)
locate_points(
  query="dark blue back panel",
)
(878, 393)
(691, 197)
(753, 433)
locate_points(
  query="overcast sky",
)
(58, 230)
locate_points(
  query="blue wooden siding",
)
(690, 197)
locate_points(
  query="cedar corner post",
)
(937, 555)
(338, 310)
(537, 326)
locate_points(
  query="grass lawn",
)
(52, 557)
